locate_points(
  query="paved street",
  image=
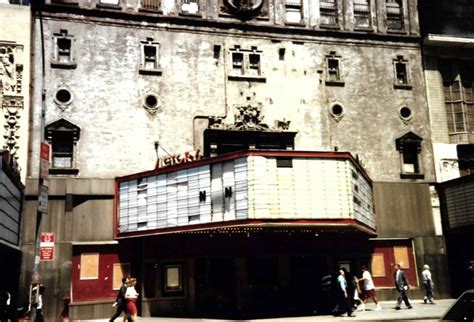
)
(420, 312)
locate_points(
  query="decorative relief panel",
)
(247, 118)
(244, 9)
(11, 98)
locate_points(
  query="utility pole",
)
(42, 182)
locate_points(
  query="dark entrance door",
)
(263, 286)
(308, 294)
(215, 287)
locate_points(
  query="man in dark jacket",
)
(401, 283)
(120, 301)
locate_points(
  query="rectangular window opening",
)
(89, 267)
(284, 162)
(62, 150)
(410, 160)
(120, 270)
(401, 71)
(333, 69)
(172, 279)
(254, 61)
(237, 60)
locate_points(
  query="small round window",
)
(63, 96)
(337, 111)
(405, 113)
(151, 103)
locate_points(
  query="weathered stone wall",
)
(118, 134)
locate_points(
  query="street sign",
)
(44, 154)
(43, 197)
(47, 246)
(46, 254)
(44, 161)
(47, 238)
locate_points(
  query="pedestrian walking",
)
(39, 305)
(427, 284)
(131, 296)
(120, 302)
(357, 293)
(368, 290)
(402, 285)
(4, 298)
(343, 299)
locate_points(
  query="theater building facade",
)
(229, 154)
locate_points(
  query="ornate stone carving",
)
(244, 8)
(282, 125)
(216, 122)
(11, 99)
(249, 118)
(11, 106)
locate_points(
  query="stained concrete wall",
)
(118, 134)
(79, 211)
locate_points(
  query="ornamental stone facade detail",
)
(11, 98)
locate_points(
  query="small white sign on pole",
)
(43, 197)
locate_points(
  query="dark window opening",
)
(150, 56)
(410, 159)
(62, 150)
(62, 136)
(254, 61)
(409, 146)
(284, 162)
(401, 72)
(64, 49)
(333, 69)
(218, 142)
(237, 60)
(466, 159)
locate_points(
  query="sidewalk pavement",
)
(420, 312)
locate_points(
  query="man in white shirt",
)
(368, 290)
(428, 284)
